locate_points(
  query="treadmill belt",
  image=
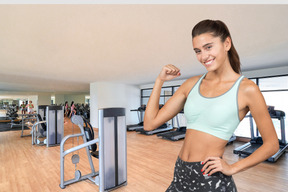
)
(172, 134)
(250, 149)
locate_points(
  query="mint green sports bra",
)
(217, 116)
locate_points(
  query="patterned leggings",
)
(188, 177)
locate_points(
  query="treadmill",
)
(140, 124)
(176, 135)
(163, 128)
(256, 142)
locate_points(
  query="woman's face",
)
(211, 51)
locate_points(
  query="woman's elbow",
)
(274, 146)
(147, 125)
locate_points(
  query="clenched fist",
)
(169, 72)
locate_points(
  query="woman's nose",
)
(204, 56)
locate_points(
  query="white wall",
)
(59, 99)
(77, 98)
(44, 99)
(106, 95)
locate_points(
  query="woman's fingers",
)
(169, 72)
(212, 165)
(172, 70)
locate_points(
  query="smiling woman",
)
(214, 104)
(217, 33)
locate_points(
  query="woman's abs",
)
(200, 145)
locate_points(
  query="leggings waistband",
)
(187, 162)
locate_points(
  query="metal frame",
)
(78, 121)
(283, 145)
(112, 139)
(26, 117)
(54, 123)
(110, 163)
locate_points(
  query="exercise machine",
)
(112, 152)
(11, 117)
(163, 128)
(140, 124)
(49, 127)
(232, 139)
(176, 135)
(27, 118)
(256, 142)
(83, 110)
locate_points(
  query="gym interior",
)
(107, 56)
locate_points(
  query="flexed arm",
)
(153, 116)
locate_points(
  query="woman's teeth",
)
(208, 62)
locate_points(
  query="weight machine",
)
(112, 152)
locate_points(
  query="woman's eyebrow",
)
(207, 44)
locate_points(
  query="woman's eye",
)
(209, 47)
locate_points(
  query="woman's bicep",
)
(171, 108)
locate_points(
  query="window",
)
(165, 95)
(274, 83)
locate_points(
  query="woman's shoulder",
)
(190, 83)
(248, 87)
(194, 79)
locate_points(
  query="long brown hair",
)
(219, 29)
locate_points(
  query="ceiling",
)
(63, 48)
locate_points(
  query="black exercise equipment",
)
(89, 133)
(140, 124)
(256, 142)
(176, 135)
(163, 128)
(51, 129)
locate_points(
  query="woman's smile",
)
(209, 62)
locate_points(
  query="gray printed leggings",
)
(188, 177)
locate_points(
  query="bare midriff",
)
(200, 145)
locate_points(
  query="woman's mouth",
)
(208, 63)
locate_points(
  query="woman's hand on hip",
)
(212, 165)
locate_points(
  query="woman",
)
(214, 104)
(66, 109)
(72, 109)
(30, 107)
(23, 108)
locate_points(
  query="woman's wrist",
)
(234, 168)
(159, 80)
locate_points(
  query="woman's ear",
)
(227, 43)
